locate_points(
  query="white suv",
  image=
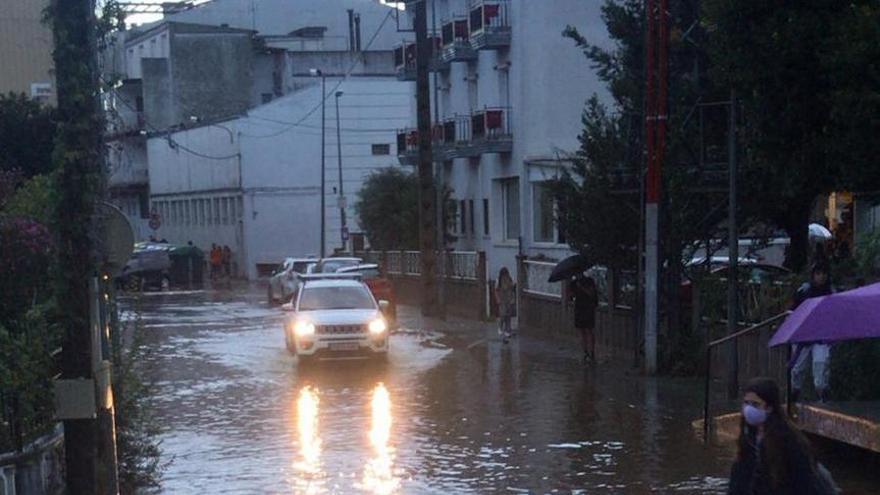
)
(335, 314)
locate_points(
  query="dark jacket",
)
(808, 291)
(751, 474)
(584, 306)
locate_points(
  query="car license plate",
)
(344, 346)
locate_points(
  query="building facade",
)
(259, 189)
(509, 92)
(26, 50)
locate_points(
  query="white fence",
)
(537, 273)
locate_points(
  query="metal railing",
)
(734, 337)
(537, 273)
(490, 123)
(488, 15)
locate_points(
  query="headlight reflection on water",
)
(308, 467)
(378, 473)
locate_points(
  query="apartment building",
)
(26, 50)
(510, 92)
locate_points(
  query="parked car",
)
(753, 270)
(332, 265)
(380, 286)
(335, 314)
(285, 279)
(148, 268)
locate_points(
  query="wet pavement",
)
(454, 410)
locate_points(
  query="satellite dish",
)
(114, 239)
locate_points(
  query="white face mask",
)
(754, 416)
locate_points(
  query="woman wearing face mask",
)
(774, 456)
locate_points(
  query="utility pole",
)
(90, 459)
(655, 140)
(323, 247)
(732, 254)
(343, 234)
(426, 179)
(439, 207)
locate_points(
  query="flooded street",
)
(454, 410)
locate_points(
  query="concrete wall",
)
(280, 17)
(208, 75)
(25, 47)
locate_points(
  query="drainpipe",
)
(357, 32)
(350, 30)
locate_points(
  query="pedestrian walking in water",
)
(583, 293)
(773, 456)
(227, 261)
(216, 260)
(818, 354)
(506, 297)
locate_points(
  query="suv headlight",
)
(378, 326)
(303, 329)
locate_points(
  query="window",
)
(486, 217)
(144, 204)
(381, 149)
(215, 211)
(510, 199)
(471, 216)
(451, 216)
(240, 208)
(186, 212)
(224, 205)
(139, 103)
(463, 213)
(543, 211)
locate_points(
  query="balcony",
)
(408, 145)
(405, 61)
(483, 131)
(455, 42)
(127, 125)
(489, 26)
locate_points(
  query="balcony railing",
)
(408, 145)
(455, 42)
(405, 61)
(489, 24)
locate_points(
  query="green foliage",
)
(808, 83)
(27, 131)
(388, 208)
(855, 370)
(32, 200)
(26, 371)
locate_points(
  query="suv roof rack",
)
(306, 277)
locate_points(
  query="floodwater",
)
(453, 411)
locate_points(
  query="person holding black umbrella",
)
(583, 292)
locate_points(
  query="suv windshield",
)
(317, 298)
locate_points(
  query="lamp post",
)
(342, 227)
(318, 73)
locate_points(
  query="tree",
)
(807, 76)
(389, 210)
(27, 133)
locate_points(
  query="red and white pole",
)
(656, 91)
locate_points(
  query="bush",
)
(26, 372)
(855, 370)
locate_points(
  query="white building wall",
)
(544, 81)
(276, 211)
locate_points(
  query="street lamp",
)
(318, 73)
(342, 229)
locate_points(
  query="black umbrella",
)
(568, 267)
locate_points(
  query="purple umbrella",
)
(850, 315)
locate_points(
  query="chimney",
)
(357, 32)
(350, 30)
